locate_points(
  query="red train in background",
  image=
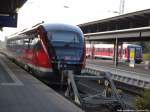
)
(107, 51)
(44, 47)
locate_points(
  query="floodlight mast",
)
(121, 6)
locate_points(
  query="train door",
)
(138, 55)
(120, 52)
(138, 52)
(125, 55)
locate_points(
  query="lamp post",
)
(121, 8)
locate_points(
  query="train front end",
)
(66, 48)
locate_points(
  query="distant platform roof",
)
(10, 6)
(140, 14)
(124, 21)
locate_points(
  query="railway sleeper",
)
(126, 80)
(87, 98)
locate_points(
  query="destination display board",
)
(8, 20)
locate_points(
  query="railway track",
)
(93, 89)
(89, 89)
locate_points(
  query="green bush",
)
(146, 56)
(143, 103)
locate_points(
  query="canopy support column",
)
(116, 53)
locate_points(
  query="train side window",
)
(96, 49)
(104, 49)
(30, 43)
(20, 42)
(38, 45)
(33, 42)
(26, 42)
(109, 50)
(101, 50)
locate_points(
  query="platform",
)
(137, 76)
(21, 92)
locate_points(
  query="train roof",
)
(47, 27)
(60, 26)
(104, 45)
(112, 45)
(134, 45)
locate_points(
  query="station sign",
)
(8, 20)
(132, 57)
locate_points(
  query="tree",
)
(143, 103)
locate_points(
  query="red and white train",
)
(43, 48)
(107, 51)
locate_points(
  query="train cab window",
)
(59, 36)
(138, 49)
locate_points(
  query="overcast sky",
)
(77, 11)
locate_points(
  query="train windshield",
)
(67, 37)
(65, 45)
(139, 49)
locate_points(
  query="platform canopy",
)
(8, 12)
